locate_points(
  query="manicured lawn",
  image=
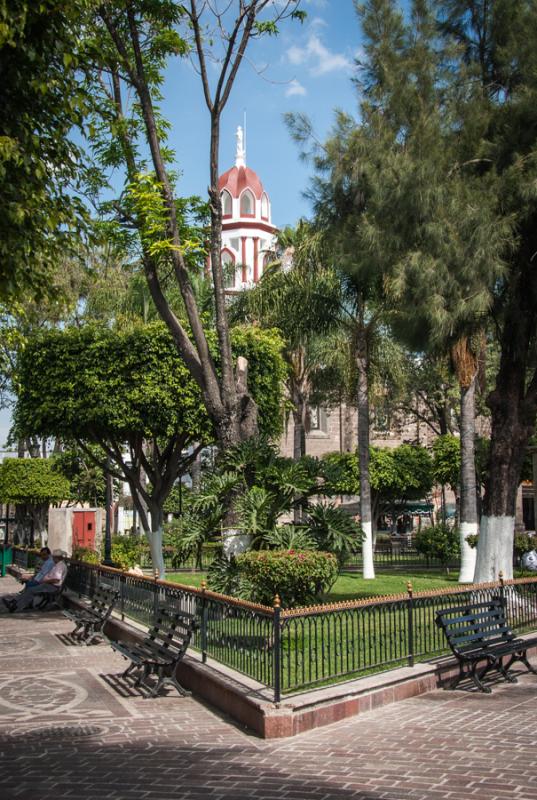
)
(351, 586)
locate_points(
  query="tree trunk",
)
(299, 434)
(513, 405)
(469, 524)
(195, 473)
(363, 452)
(155, 541)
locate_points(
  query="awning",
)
(418, 508)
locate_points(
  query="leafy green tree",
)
(129, 47)
(447, 464)
(398, 474)
(129, 393)
(31, 484)
(496, 52)
(40, 164)
(86, 479)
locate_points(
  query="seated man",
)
(52, 582)
(47, 563)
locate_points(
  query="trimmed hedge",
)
(298, 577)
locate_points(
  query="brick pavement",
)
(70, 729)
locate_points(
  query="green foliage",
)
(224, 576)
(40, 165)
(440, 542)
(343, 473)
(87, 481)
(334, 531)
(447, 460)
(94, 382)
(298, 578)
(127, 550)
(290, 537)
(31, 481)
(523, 543)
(86, 554)
(397, 474)
(188, 537)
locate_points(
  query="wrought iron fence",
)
(233, 632)
(291, 650)
(25, 558)
(396, 555)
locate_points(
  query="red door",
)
(84, 529)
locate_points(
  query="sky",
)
(306, 69)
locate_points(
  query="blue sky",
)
(307, 69)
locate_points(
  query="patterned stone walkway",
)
(70, 729)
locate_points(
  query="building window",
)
(264, 206)
(234, 244)
(228, 268)
(227, 204)
(247, 204)
(318, 419)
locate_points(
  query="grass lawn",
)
(351, 586)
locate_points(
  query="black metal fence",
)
(400, 555)
(291, 650)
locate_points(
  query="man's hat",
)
(59, 554)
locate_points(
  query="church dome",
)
(237, 179)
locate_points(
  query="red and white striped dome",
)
(237, 179)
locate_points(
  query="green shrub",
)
(334, 530)
(86, 554)
(523, 543)
(127, 550)
(224, 576)
(298, 577)
(440, 542)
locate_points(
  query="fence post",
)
(410, 625)
(122, 586)
(155, 595)
(502, 588)
(204, 620)
(276, 649)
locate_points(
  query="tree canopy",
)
(31, 481)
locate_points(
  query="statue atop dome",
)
(240, 156)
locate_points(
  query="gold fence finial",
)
(500, 576)
(203, 586)
(277, 602)
(409, 588)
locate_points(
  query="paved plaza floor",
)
(70, 728)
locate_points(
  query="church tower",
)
(248, 235)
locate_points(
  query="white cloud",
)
(320, 59)
(295, 88)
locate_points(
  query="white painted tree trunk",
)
(495, 549)
(468, 554)
(155, 547)
(368, 567)
(469, 523)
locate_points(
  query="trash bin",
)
(6, 558)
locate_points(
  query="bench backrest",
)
(104, 600)
(475, 625)
(171, 633)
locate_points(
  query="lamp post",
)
(107, 561)
(532, 450)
